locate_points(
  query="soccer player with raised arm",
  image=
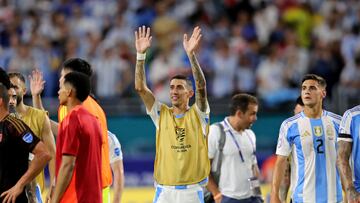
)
(310, 138)
(181, 164)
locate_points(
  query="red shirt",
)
(95, 109)
(80, 136)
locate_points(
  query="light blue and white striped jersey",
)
(312, 145)
(350, 132)
(115, 152)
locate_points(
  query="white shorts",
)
(179, 194)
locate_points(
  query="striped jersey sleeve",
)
(114, 148)
(345, 128)
(17, 128)
(336, 119)
(283, 146)
(347, 124)
(284, 141)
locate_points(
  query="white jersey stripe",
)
(330, 152)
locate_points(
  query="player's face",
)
(19, 87)
(250, 116)
(63, 92)
(180, 93)
(12, 97)
(312, 93)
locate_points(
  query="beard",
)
(18, 100)
(12, 111)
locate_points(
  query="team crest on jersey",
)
(318, 131)
(180, 135)
(28, 138)
(330, 132)
(117, 151)
(180, 138)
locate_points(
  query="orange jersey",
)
(95, 109)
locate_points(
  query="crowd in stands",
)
(254, 46)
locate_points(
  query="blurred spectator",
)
(221, 27)
(82, 24)
(272, 84)
(9, 51)
(329, 30)
(145, 14)
(245, 76)
(266, 18)
(119, 31)
(252, 53)
(350, 78)
(350, 43)
(301, 18)
(165, 28)
(295, 58)
(324, 64)
(55, 28)
(23, 60)
(237, 42)
(225, 64)
(113, 75)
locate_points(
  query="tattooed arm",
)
(190, 45)
(142, 43)
(343, 156)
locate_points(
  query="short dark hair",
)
(241, 102)
(299, 101)
(183, 77)
(320, 80)
(80, 82)
(4, 78)
(18, 75)
(78, 65)
(4, 95)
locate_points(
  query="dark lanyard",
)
(237, 144)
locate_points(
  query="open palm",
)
(36, 82)
(190, 45)
(142, 39)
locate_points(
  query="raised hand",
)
(190, 45)
(36, 82)
(142, 39)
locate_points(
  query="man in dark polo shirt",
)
(16, 142)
